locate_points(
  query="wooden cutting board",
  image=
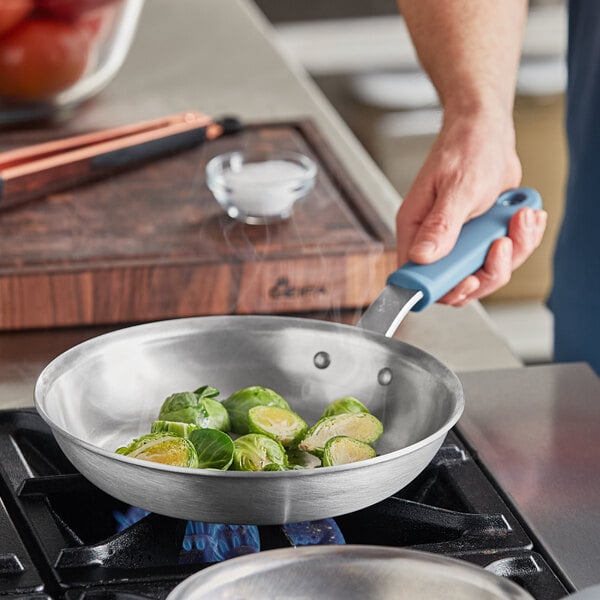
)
(152, 243)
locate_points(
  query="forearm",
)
(470, 49)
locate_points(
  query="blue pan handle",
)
(468, 255)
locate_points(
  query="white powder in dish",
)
(267, 188)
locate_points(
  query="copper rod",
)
(43, 168)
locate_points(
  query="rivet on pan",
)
(384, 377)
(322, 360)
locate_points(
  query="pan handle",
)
(469, 252)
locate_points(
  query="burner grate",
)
(66, 543)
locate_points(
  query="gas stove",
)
(63, 538)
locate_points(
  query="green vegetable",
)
(341, 450)
(214, 415)
(173, 428)
(254, 451)
(344, 405)
(300, 459)
(278, 423)
(180, 407)
(198, 408)
(213, 447)
(361, 426)
(162, 448)
(240, 402)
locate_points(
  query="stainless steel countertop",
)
(536, 429)
(220, 57)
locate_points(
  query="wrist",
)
(489, 118)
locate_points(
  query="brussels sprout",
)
(340, 450)
(173, 428)
(254, 451)
(162, 448)
(348, 404)
(240, 402)
(179, 407)
(213, 447)
(299, 459)
(278, 423)
(196, 408)
(214, 415)
(361, 426)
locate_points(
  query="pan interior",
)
(347, 573)
(108, 390)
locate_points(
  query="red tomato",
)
(40, 58)
(70, 10)
(12, 12)
(98, 22)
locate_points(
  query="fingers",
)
(494, 274)
(526, 230)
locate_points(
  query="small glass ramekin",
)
(260, 187)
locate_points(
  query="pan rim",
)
(409, 351)
(274, 560)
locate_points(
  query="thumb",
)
(437, 233)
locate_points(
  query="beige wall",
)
(542, 147)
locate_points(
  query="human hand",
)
(471, 163)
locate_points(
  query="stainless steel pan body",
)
(108, 390)
(346, 573)
(102, 393)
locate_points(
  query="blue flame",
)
(214, 542)
(308, 533)
(204, 542)
(132, 515)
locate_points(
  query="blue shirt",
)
(575, 296)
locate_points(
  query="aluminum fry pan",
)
(351, 572)
(354, 572)
(106, 391)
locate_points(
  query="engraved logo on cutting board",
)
(284, 289)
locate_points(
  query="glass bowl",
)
(54, 54)
(257, 187)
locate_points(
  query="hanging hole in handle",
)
(512, 198)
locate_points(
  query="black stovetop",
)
(63, 538)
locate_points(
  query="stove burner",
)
(58, 537)
(203, 542)
(308, 533)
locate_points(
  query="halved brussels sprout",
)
(162, 448)
(213, 447)
(173, 428)
(198, 408)
(254, 451)
(300, 459)
(240, 402)
(281, 424)
(348, 404)
(341, 450)
(361, 426)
